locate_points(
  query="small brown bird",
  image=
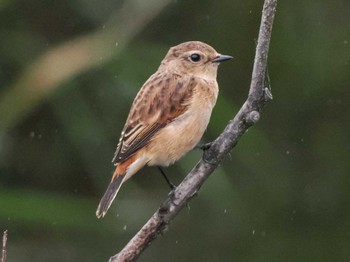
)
(169, 114)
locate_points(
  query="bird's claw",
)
(204, 146)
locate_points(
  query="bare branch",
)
(4, 240)
(248, 115)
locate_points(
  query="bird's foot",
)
(204, 146)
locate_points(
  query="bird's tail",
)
(110, 194)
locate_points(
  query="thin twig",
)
(248, 115)
(4, 240)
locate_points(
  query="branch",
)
(248, 115)
(4, 240)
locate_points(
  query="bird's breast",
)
(185, 132)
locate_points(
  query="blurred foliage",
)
(69, 71)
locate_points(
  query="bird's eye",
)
(195, 57)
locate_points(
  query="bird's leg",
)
(171, 185)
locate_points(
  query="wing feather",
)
(160, 100)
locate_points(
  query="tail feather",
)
(109, 195)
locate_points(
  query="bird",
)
(169, 114)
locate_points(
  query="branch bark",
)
(248, 115)
(4, 240)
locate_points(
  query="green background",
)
(69, 71)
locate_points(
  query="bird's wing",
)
(161, 100)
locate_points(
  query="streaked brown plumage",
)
(169, 114)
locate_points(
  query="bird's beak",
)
(221, 58)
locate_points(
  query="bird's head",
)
(193, 58)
